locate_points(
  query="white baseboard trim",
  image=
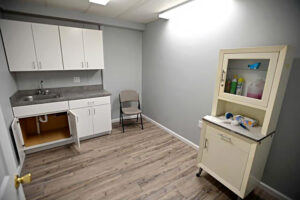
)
(172, 133)
(266, 187)
(274, 192)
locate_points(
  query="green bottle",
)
(233, 85)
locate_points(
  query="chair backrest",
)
(128, 95)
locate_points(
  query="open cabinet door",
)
(17, 132)
(9, 168)
(73, 120)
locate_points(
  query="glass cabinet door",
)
(248, 77)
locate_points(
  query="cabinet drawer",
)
(225, 155)
(38, 109)
(81, 103)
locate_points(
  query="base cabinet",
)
(44, 130)
(226, 155)
(102, 118)
(84, 121)
(235, 161)
(93, 115)
(43, 126)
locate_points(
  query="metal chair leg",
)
(122, 123)
(199, 172)
(137, 118)
(142, 121)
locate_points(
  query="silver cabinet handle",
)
(33, 65)
(94, 111)
(225, 138)
(222, 78)
(87, 64)
(82, 64)
(40, 64)
(77, 119)
(205, 143)
(89, 111)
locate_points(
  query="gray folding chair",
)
(130, 96)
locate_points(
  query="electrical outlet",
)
(200, 124)
(76, 79)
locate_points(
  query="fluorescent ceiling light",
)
(196, 8)
(102, 2)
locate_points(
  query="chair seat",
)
(131, 111)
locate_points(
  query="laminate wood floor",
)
(140, 164)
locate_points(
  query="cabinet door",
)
(18, 137)
(19, 45)
(239, 65)
(225, 155)
(72, 48)
(73, 120)
(85, 121)
(102, 118)
(47, 46)
(93, 48)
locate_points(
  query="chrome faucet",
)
(41, 89)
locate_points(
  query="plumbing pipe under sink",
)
(43, 120)
(38, 120)
(38, 130)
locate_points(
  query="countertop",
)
(254, 133)
(65, 94)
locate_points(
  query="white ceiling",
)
(141, 11)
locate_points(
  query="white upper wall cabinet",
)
(42, 47)
(47, 46)
(82, 48)
(93, 48)
(19, 45)
(72, 48)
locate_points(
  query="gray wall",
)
(31, 80)
(123, 63)
(180, 60)
(7, 88)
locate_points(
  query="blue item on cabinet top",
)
(254, 66)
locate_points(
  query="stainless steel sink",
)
(41, 97)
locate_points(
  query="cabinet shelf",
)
(48, 136)
(35, 133)
(254, 133)
(243, 103)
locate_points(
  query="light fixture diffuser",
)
(198, 8)
(101, 2)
